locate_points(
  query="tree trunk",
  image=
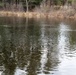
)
(26, 5)
(4, 3)
(16, 2)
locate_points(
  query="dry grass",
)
(53, 14)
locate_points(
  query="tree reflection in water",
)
(28, 49)
(9, 61)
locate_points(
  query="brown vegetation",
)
(62, 13)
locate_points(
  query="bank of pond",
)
(46, 15)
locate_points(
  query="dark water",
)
(33, 47)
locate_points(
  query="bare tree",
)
(27, 5)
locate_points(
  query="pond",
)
(37, 47)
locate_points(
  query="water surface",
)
(37, 47)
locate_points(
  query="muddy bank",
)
(51, 15)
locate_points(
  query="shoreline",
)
(39, 15)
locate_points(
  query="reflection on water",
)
(63, 38)
(33, 47)
(67, 50)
